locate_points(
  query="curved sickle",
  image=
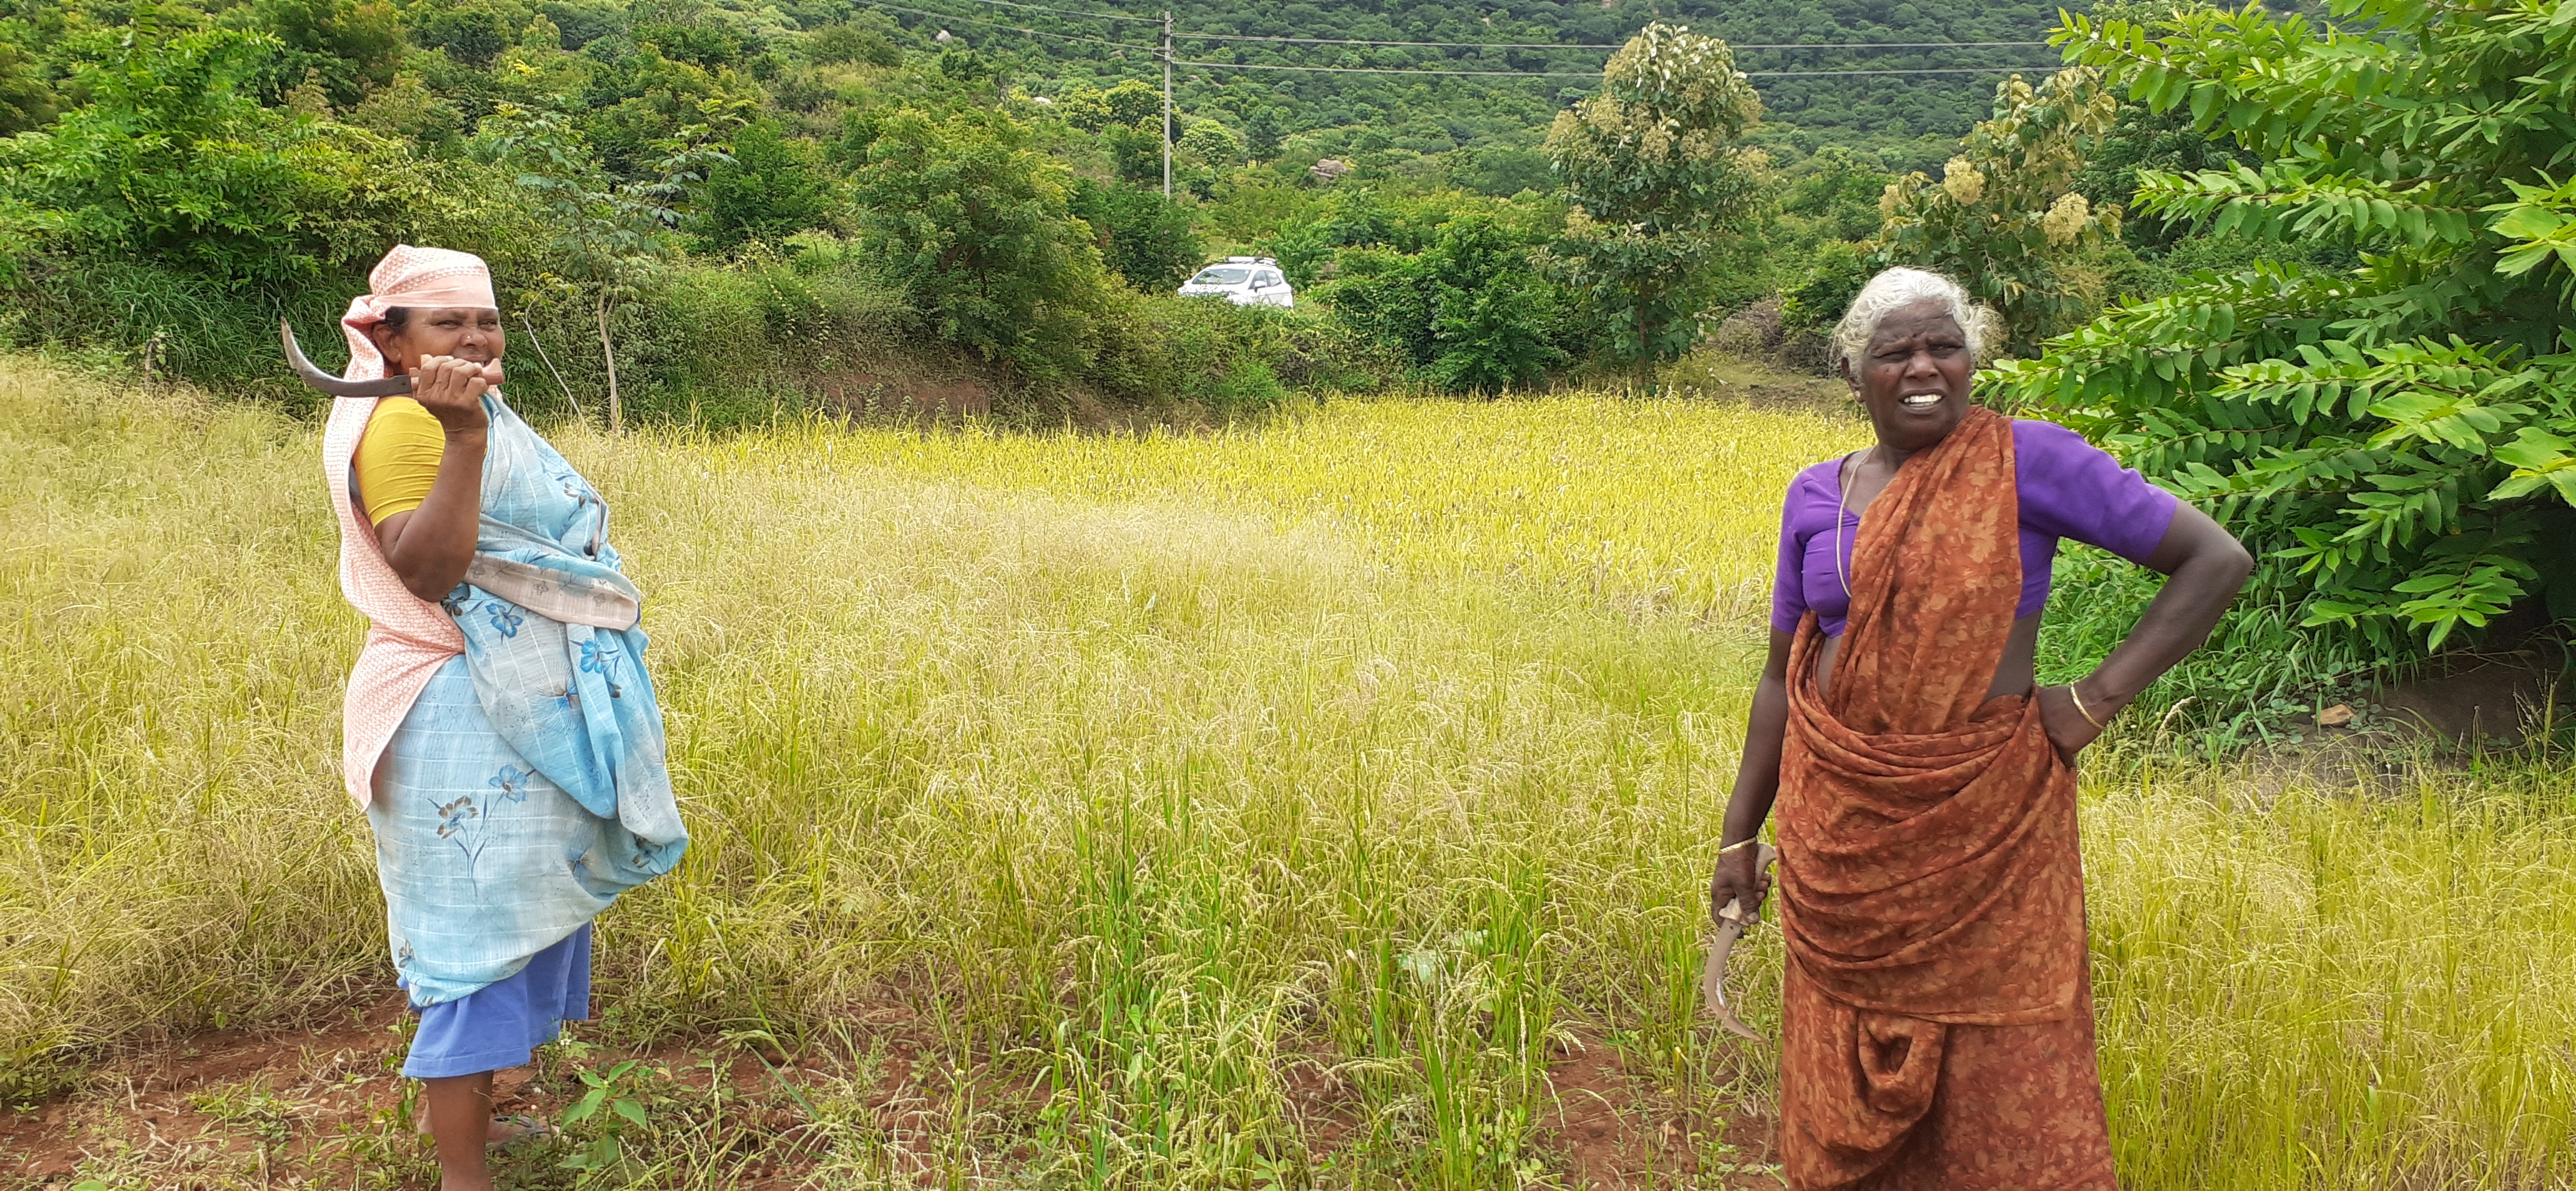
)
(1712, 978)
(391, 386)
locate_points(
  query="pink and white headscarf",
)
(408, 276)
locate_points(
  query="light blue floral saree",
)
(527, 787)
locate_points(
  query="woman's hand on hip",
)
(2069, 729)
(1739, 878)
(452, 391)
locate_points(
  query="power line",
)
(1567, 45)
(1523, 74)
(1594, 74)
(1069, 12)
(1809, 74)
(1531, 74)
(944, 16)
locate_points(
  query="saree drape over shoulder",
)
(1937, 1027)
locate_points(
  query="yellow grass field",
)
(1291, 807)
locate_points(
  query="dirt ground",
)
(325, 1108)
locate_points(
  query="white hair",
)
(1898, 288)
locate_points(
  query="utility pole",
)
(1167, 105)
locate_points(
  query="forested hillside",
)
(1914, 116)
(756, 205)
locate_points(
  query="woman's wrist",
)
(2096, 703)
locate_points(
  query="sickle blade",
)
(391, 386)
(1712, 980)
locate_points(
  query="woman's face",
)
(1913, 380)
(464, 332)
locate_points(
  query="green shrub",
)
(971, 219)
(2397, 440)
(771, 187)
(1157, 349)
(1472, 312)
(173, 163)
(1144, 238)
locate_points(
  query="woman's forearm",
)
(430, 547)
(1757, 776)
(2207, 567)
(1757, 773)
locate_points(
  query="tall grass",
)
(1277, 805)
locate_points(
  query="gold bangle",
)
(1742, 843)
(2078, 696)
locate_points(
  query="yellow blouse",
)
(397, 459)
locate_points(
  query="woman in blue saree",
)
(500, 729)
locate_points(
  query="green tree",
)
(2005, 220)
(971, 219)
(1492, 315)
(1145, 239)
(473, 33)
(771, 187)
(1839, 190)
(1472, 312)
(607, 236)
(1262, 134)
(1136, 151)
(349, 46)
(173, 161)
(859, 40)
(1655, 185)
(2397, 440)
(26, 100)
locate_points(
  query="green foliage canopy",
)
(1143, 238)
(174, 161)
(2398, 439)
(1655, 183)
(973, 220)
(2005, 217)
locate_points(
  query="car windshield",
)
(1221, 277)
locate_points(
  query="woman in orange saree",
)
(1936, 1018)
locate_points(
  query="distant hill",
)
(1908, 117)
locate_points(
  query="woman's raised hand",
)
(452, 390)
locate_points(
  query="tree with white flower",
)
(2005, 219)
(1655, 184)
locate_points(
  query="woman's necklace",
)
(1842, 501)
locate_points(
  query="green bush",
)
(972, 221)
(1157, 349)
(173, 163)
(2396, 440)
(1472, 312)
(771, 187)
(1144, 238)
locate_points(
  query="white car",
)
(1244, 281)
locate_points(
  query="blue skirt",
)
(484, 861)
(502, 1024)
(489, 892)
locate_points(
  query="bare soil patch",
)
(327, 1107)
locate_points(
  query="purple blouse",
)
(2069, 489)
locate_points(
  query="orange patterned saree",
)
(1937, 1027)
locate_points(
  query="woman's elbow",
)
(2228, 563)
